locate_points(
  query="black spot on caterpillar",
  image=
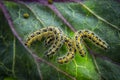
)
(26, 15)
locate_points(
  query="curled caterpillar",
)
(55, 39)
(86, 34)
(37, 35)
(71, 51)
(70, 45)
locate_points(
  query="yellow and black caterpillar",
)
(44, 32)
(70, 45)
(87, 34)
(56, 38)
(92, 37)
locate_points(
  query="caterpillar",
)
(26, 15)
(87, 34)
(79, 44)
(55, 39)
(70, 45)
(37, 35)
(71, 51)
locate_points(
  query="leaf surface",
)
(97, 16)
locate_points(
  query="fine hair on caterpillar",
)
(55, 38)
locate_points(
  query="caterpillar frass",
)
(38, 35)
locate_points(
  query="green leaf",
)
(15, 62)
(9, 78)
(108, 69)
(97, 16)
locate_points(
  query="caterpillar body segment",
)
(79, 43)
(57, 43)
(37, 35)
(95, 39)
(70, 53)
(49, 40)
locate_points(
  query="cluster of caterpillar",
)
(55, 39)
